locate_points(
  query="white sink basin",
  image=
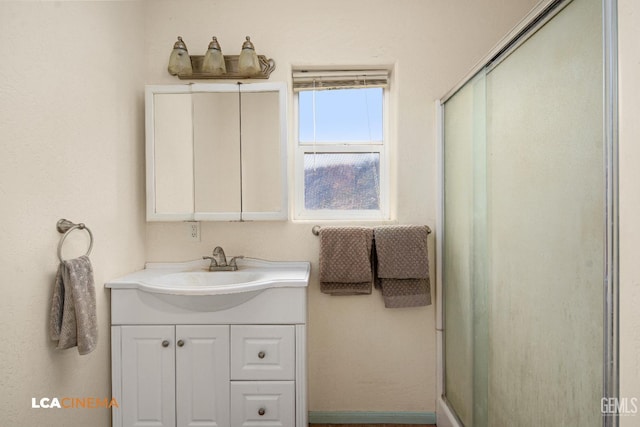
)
(207, 280)
(194, 277)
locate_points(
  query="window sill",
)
(341, 216)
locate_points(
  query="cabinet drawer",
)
(255, 403)
(262, 352)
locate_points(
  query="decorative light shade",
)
(248, 64)
(179, 61)
(213, 62)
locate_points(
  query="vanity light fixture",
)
(180, 61)
(215, 65)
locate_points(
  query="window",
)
(341, 159)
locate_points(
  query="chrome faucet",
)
(219, 261)
(219, 257)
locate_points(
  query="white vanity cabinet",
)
(206, 375)
(185, 355)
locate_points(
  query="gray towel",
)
(345, 260)
(402, 265)
(73, 319)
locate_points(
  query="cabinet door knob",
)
(261, 411)
(262, 354)
(180, 343)
(165, 343)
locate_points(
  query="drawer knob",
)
(165, 343)
(261, 355)
(262, 411)
(180, 343)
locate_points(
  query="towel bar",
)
(316, 230)
(65, 227)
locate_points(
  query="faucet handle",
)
(232, 263)
(213, 260)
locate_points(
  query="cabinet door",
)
(148, 376)
(264, 154)
(202, 376)
(169, 150)
(216, 136)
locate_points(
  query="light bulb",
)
(213, 62)
(180, 61)
(248, 64)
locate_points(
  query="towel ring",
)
(65, 227)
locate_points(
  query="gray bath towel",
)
(345, 260)
(402, 265)
(73, 319)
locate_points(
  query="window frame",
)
(380, 147)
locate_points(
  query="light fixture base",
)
(267, 65)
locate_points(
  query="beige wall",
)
(71, 145)
(361, 356)
(629, 90)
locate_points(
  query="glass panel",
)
(347, 181)
(261, 152)
(479, 256)
(546, 225)
(343, 115)
(464, 253)
(173, 151)
(216, 127)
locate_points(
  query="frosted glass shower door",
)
(546, 225)
(524, 231)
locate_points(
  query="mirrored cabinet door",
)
(171, 155)
(216, 152)
(263, 161)
(216, 136)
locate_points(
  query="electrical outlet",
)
(194, 230)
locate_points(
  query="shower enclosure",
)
(528, 327)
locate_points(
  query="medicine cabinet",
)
(216, 152)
